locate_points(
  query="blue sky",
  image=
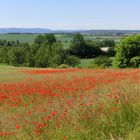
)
(70, 14)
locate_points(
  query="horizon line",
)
(62, 29)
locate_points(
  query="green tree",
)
(4, 55)
(103, 61)
(92, 50)
(42, 57)
(135, 62)
(50, 55)
(107, 43)
(16, 56)
(111, 51)
(82, 49)
(28, 55)
(128, 48)
(72, 61)
(47, 38)
(58, 54)
(39, 39)
(78, 46)
(50, 39)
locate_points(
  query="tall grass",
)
(71, 105)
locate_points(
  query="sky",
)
(70, 14)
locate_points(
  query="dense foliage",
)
(83, 49)
(101, 62)
(128, 52)
(46, 51)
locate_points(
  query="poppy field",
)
(69, 104)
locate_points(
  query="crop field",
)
(65, 39)
(69, 104)
(21, 37)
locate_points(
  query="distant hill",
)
(84, 32)
(24, 30)
(110, 32)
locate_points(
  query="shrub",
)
(72, 61)
(111, 51)
(128, 48)
(101, 62)
(63, 66)
(135, 62)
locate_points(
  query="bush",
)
(63, 66)
(72, 61)
(128, 48)
(135, 62)
(111, 51)
(101, 62)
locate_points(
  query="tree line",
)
(47, 51)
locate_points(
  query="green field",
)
(65, 39)
(21, 37)
(85, 63)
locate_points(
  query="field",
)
(69, 104)
(85, 62)
(65, 39)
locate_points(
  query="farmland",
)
(65, 39)
(69, 104)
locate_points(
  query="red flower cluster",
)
(56, 98)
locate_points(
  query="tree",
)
(78, 46)
(92, 50)
(47, 38)
(72, 61)
(58, 54)
(16, 56)
(135, 62)
(50, 39)
(82, 49)
(128, 48)
(28, 55)
(50, 55)
(103, 61)
(39, 39)
(4, 55)
(111, 51)
(107, 43)
(42, 57)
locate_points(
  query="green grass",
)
(21, 37)
(85, 63)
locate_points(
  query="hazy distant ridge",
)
(87, 32)
(24, 30)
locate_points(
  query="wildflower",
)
(53, 94)
(65, 137)
(78, 128)
(54, 113)
(37, 132)
(29, 113)
(18, 126)
(46, 118)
